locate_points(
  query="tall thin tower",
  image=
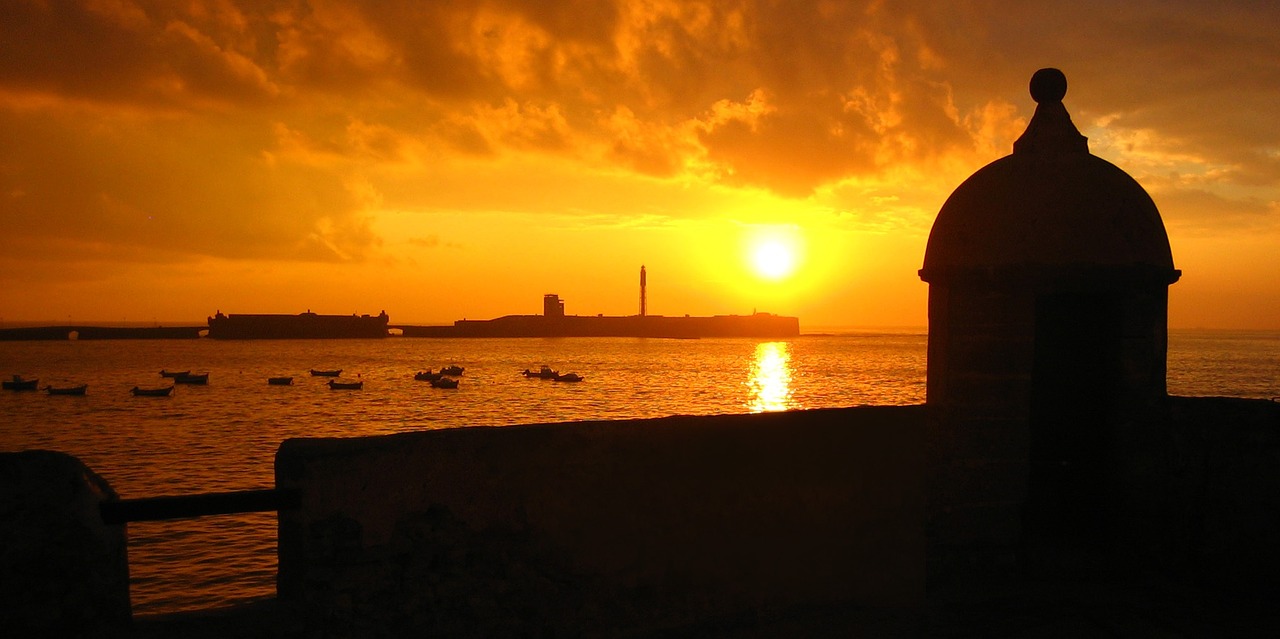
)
(642, 300)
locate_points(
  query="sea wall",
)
(32, 333)
(63, 572)
(591, 527)
(679, 327)
(1195, 489)
(1221, 493)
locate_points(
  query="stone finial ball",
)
(1048, 85)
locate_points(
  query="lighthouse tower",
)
(643, 310)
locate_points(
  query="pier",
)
(85, 332)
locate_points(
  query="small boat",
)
(543, 373)
(201, 378)
(66, 390)
(336, 385)
(332, 373)
(173, 374)
(280, 381)
(19, 384)
(426, 376)
(567, 377)
(151, 392)
(444, 382)
(452, 371)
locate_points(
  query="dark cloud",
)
(119, 51)
(1202, 79)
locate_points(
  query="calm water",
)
(223, 436)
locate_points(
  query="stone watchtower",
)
(1048, 275)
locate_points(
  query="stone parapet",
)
(596, 527)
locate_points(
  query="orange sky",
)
(160, 160)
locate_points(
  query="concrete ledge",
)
(593, 526)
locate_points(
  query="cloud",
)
(274, 129)
(1204, 212)
(170, 186)
(125, 52)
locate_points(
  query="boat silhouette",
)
(151, 392)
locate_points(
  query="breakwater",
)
(82, 332)
(760, 325)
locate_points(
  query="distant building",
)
(306, 325)
(552, 306)
(555, 323)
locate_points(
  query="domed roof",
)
(1049, 204)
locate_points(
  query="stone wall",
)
(1221, 493)
(593, 527)
(1195, 490)
(63, 573)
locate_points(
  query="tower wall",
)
(1043, 393)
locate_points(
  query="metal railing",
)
(186, 506)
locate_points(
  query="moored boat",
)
(280, 381)
(20, 384)
(452, 371)
(542, 373)
(173, 374)
(336, 385)
(326, 373)
(444, 382)
(151, 392)
(66, 390)
(426, 376)
(567, 377)
(201, 378)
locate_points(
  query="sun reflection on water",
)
(770, 382)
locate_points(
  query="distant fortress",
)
(306, 325)
(554, 323)
(551, 323)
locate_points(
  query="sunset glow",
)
(163, 160)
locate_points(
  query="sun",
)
(773, 259)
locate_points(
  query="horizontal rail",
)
(187, 506)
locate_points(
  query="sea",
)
(223, 436)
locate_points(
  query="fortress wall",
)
(1222, 492)
(683, 522)
(579, 527)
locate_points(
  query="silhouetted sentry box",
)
(1048, 275)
